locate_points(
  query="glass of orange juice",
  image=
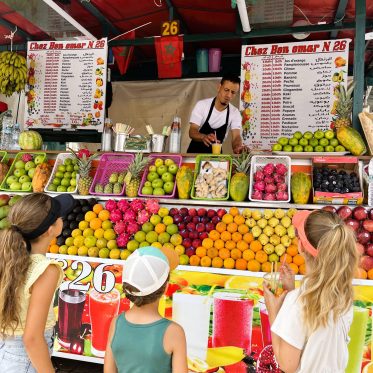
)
(274, 282)
(216, 148)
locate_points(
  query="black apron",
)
(200, 147)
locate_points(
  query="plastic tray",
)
(212, 158)
(59, 161)
(260, 161)
(109, 163)
(4, 185)
(325, 154)
(152, 157)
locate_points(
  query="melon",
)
(30, 140)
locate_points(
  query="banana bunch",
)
(13, 72)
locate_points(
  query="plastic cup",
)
(273, 280)
(264, 324)
(216, 148)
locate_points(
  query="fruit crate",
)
(259, 161)
(201, 161)
(178, 159)
(5, 186)
(110, 163)
(59, 161)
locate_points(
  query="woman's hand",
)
(273, 303)
(209, 139)
(287, 277)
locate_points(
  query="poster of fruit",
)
(290, 87)
(223, 315)
(66, 84)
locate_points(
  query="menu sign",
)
(66, 84)
(290, 87)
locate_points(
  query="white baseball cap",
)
(147, 268)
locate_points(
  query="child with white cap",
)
(140, 340)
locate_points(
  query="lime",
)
(163, 237)
(172, 229)
(93, 252)
(112, 244)
(140, 236)
(90, 241)
(167, 220)
(132, 245)
(151, 237)
(125, 254)
(155, 219)
(147, 227)
(144, 244)
(104, 252)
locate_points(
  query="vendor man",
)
(215, 116)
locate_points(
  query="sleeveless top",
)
(138, 348)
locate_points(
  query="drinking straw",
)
(275, 278)
(271, 278)
(209, 294)
(216, 139)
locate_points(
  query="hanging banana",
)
(13, 72)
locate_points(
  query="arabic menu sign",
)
(290, 87)
(66, 84)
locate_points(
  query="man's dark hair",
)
(230, 78)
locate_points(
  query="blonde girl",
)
(310, 324)
(28, 281)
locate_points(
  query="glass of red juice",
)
(264, 324)
(103, 308)
(70, 310)
(232, 324)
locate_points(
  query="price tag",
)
(170, 28)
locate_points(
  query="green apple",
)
(76, 168)
(19, 164)
(318, 134)
(147, 190)
(334, 142)
(298, 148)
(26, 185)
(152, 168)
(71, 189)
(313, 142)
(287, 148)
(324, 142)
(52, 188)
(276, 147)
(339, 148)
(303, 141)
(70, 168)
(73, 182)
(68, 161)
(59, 174)
(158, 192)
(308, 148)
(56, 181)
(298, 135)
(173, 168)
(319, 148)
(24, 179)
(157, 183)
(65, 182)
(293, 141)
(308, 135)
(29, 165)
(148, 183)
(61, 188)
(161, 169)
(158, 162)
(11, 179)
(152, 176)
(31, 172)
(168, 162)
(18, 172)
(15, 186)
(67, 175)
(329, 148)
(61, 168)
(283, 141)
(329, 134)
(39, 159)
(169, 187)
(167, 176)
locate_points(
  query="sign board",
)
(66, 84)
(290, 87)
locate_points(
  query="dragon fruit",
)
(143, 216)
(268, 169)
(257, 195)
(110, 205)
(137, 205)
(115, 215)
(278, 178)
(120, 227)
(132, 228)
(152, 205)
(26, 157)
(281, 169)
(122, 239)
(269, 197)
(123, 205)
(270, 188)
(269, 180)
(129, 216)
(258, 176)
(267, 361)
(282, 196)
(282, 187)
(259, 185)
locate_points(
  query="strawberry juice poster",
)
(290, 87)
(66, 84)
(223, 315)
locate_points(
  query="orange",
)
(95, 223)
(266, 267)
(229, 263)
(212, 252)
(298, 259)
(236, 236)
(261, 256)
(239, 220)
(104, 215)
(89, 215)
(214, 235)
(224, 253)
(221, 227)
(234, 211)
(219, 244)
(248, 254)
(241, 264)
(232, 227)
(230, 245)
(288, 258)
(206, 261)
(243, 228)
(217, 262)
(227, 218)
(194, 260)
(236, 254)
(255, 246)
(253, 265)
(208, 243)
(201, 251)
(302, 269)
(294, 268)
(294, 241)
(160, 228)
(248, 237)
(54, 249)
(292, 250)
(361, 273)
(97, 208)
(370, 274)
(54, 241)
(242, 245)
(225, 236)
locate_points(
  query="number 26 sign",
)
(170, 28)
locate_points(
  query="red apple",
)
(368, 225)
(187, 242)
(181, 226)
(359, 213)
(205, 219)
(178, 218)
(363, 236)
(203, 235)
(366, 262)
(184, 211)
(173, 211)
(215, 220)
(211, 213)
(200, 227)
(221, 212)
(202, 211)
(191, 226)
(196, 242)
(4, 199)
(193, 235)
(369, 249)
(330, 209)
(195, 219)
(187, 219)
(360, 248)
(354, 224)
(371, 214)
(344, 212)
(210, 226)
(184, 233)
(190, 251)
(192, 212)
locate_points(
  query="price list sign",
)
(66, 84)
(290, 87)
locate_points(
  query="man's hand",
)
(240, 149)
(209, 139)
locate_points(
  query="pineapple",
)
(344, 106)
(239, 185)
(84, 161)
(132, 179)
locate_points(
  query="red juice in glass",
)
(70, 310)
(265, 325)
(232, 325)
(103, 308)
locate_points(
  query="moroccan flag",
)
(169, 52)
(123, 55)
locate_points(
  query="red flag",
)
(123, 55)
(169, 52)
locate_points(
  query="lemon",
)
(76, 232)
(241, 283)
(78, 241)
(132, 245)
(93, 252)
(114, 254)
(83, 251)
(104, 252)
(83, 225)
(125, 254)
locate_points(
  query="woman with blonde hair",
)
(28, 281)
(310, 324)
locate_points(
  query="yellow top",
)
(38, 264)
